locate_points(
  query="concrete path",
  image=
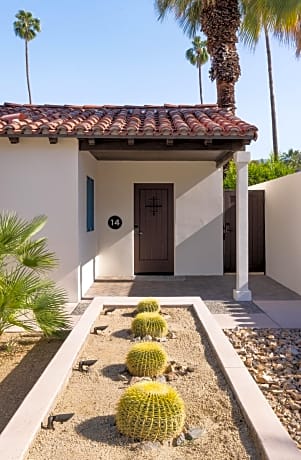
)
(273, 306)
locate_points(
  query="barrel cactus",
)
(146, 359)
(151, 305)
(149, 324)
(150, 411)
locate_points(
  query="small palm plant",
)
(27, 297)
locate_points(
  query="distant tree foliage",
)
(259, 171)
(292, 158)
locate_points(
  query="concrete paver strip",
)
(257, 320)
(287, 313)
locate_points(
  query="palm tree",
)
(26, 27)
(27, 297)
(292, 158)
(220, 21)
(198, 56)
(262, 15)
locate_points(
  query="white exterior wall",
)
(283, 229)
(198, 209)
(39, 178)
(87, 240)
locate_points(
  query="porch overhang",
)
(163, 149)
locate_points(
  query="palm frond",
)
(26, 26)
(34, 254)
(186, 12)
(49, 311)
(15, 231)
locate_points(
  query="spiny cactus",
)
(150, 411)
(146, 359)
(149, 324)
(151, 305)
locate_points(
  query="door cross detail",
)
(154, 204)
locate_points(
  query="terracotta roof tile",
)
(111, 121)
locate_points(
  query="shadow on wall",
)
(202, 252)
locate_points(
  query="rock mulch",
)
(273, 357)
(23, 357)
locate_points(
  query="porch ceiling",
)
(169, 149)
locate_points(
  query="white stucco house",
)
(127, 190)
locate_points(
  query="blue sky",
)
(116, 52)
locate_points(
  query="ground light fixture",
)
(61, 418)
(99, 329)
(84, 366)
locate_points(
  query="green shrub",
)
(146, 359)
(151, 305)
(150, 411)
(149, 324)
(27, 297)
(259, 171)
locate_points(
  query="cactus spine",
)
(151, 305)
(146, 359)
(149, 324)
(150, 411)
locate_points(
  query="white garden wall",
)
(283, 229)
(198, 215)
(39, 178)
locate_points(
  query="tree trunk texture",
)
(272, 96)
(200, 83)
(220, 22)
(27, 71)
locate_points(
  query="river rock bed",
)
(273, 357)
(211, 409)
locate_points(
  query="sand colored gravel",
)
(92, 434)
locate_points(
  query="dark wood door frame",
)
(153, 228)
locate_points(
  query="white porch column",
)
(242, 293)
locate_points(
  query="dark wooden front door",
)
(154, 228)
(256, 231)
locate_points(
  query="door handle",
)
(226, 229)
(137, 231)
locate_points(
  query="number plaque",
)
(115, 222)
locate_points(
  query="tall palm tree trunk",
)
(200, 83)
(220, 21)
(272, 96)
(27, 71)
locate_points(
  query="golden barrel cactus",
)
(146, 359)
(149, 324)
(150, 411)
(151, 305)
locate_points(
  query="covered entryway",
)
(113, 148)
(256, 219)
(153, 229)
